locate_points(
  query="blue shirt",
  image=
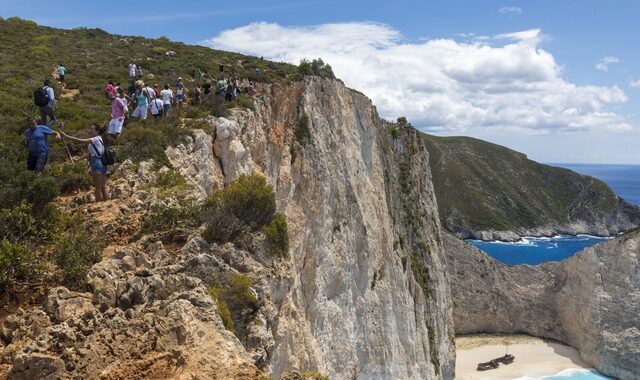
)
(61, 70)
(37, 139)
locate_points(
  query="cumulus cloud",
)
(635, 83)
(507, 83)
(510, 10)
(604, 63)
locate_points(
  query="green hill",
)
(482, 186)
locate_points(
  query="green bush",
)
(72, 177)
(232, 293)
(143, 142)
(302, 133)
(17, 262)
(243, 101)
(245, 205)
(170, 179)
(216, 104)
(166, 218)
(316, 67)
(277, 236)
(314, 375)
(75, 252)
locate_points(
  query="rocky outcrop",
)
(364, 293)
(590, 301)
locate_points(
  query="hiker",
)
(45, 99)
(142, 101)
(139, 72)
(156, 89)
(111, 90)
(167, 99)
(197, 95)
(229, 92)
(198, 77)
(132, 89)
(37, 137)
(157, 108)
(206, 88)
(180, 93)
(250, 89)
(61, 71)
(221, 86)
(118, 111)
(96, 150)
(132, 71)
(150, 92)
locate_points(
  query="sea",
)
(571, 374)
(624, 180)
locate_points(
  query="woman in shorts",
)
(142, 100)
(95, 149)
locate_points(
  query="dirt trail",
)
(67, 93)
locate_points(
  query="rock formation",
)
(363, 295)
(590, 301)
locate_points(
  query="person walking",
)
(157, 108)
(142, 101)
(37, 137)
(132, 71)
(45, 99)
(167, 99)
(61, 71)
(111, 90)
(140, 73)
(96, 149)
(181, 92)
(118, 111)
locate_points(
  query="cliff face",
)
(364, 294)
(489, 192)
(590, 301)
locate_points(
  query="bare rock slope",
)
(590, 301)
(363, 295)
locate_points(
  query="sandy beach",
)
(533, 357)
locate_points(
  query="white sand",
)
(533, 357)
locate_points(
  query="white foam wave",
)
(568, 374)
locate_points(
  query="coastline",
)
(534, 357)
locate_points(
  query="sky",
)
(556, 80)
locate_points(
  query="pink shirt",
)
(111, 89)
(118, 108)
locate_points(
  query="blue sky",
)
(554, 79)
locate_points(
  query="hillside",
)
(488, 191)
(279, 236)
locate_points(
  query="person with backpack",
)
(118, 111)
(45, 99)
(97, 151)
(142, 101)
(37, 138)
(157, 108)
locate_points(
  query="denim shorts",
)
(97, 166)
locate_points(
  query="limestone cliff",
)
(363, 295)
(590, 301)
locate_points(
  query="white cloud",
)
(508, 83)
(634, 83)
(604, 63)
(510, 10)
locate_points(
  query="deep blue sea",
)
(623, 179)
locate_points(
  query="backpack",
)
(41, 97)
(108, 156)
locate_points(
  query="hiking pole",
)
(66, 146)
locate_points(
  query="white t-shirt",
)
(151, 92)
(167, 96)
(156, 106)
(132, 69)
(97, 141)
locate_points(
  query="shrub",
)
(16, 223)
(76, 252)
(217, 104)
(166, 218)
(302, 133)
(277, 236)
(232, 293)
(316, 67)
(170, 179)
(243, 101)
(72, 177)
(245, 205)
(314, 375)
(17, 262)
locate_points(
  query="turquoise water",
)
(571, 374)
(533, 250)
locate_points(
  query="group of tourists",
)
(141, 97)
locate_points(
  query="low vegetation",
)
(76, 251)
(235, 300)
